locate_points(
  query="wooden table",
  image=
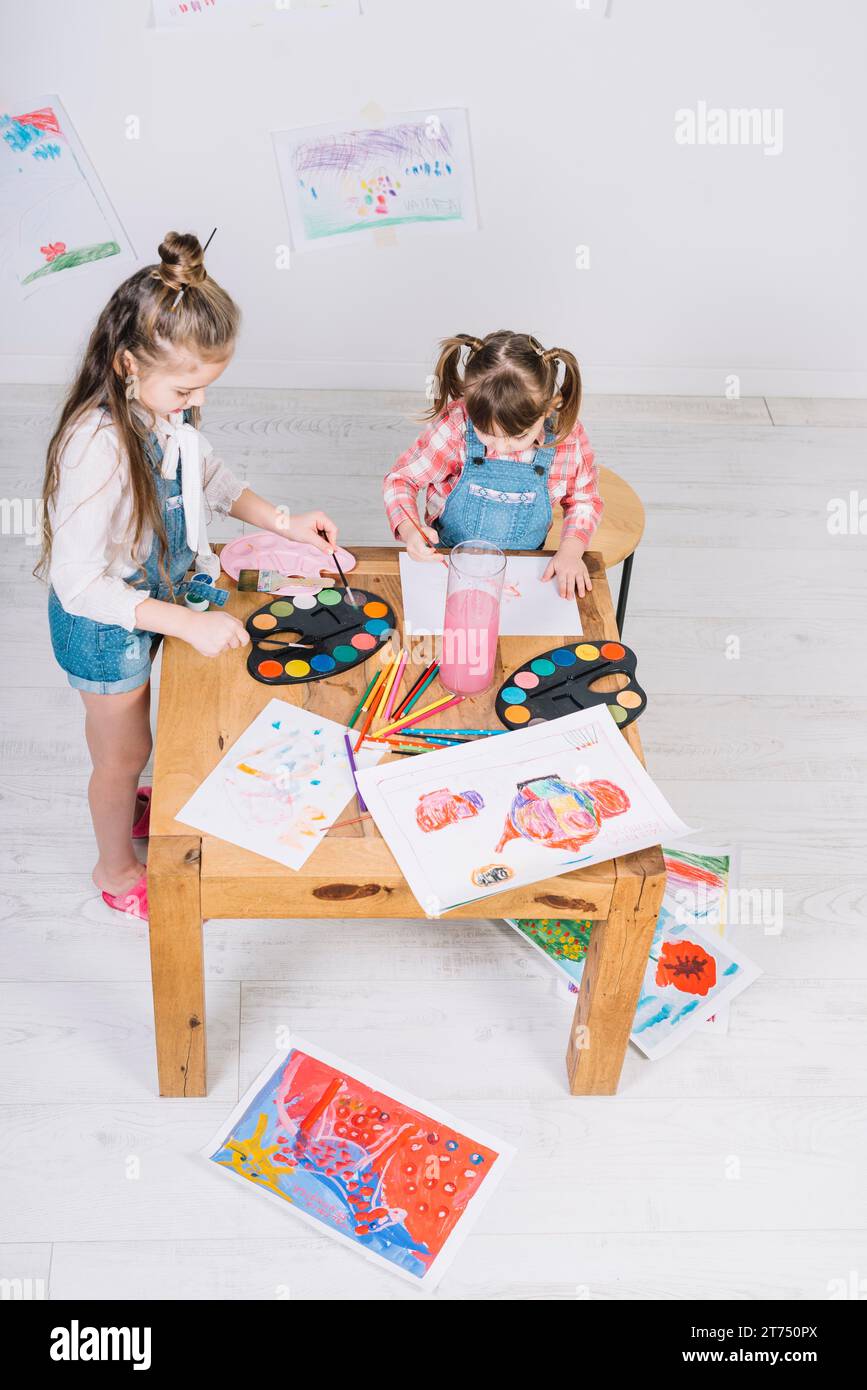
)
(206, 704)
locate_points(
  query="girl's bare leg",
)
(118, 732)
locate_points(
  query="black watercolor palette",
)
(558, 682)
(334, 635)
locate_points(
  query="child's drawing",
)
(54, 213)
(570, 790)
(435, 810)
(279, 786)
(555, 813)
(363, 1162)
(563, 943)
(339, 180)
(689, 975)
(201, 16)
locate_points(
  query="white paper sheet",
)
(346, 180)
(529, 607)
(503, 812)
(280, 785)
(56, 220)
(295, 1140)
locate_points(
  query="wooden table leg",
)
(613, 974)
(177, 963)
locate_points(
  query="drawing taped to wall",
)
(202, 16)
(55, 216)
(360, 1160)
(341, 180)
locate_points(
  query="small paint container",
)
(198, 605)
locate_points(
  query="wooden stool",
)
(620, 530)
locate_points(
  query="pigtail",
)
(570, 392)
(448, 382)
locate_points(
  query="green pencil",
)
(362, 700)
(422, 688)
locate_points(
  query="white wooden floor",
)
(732, 1169)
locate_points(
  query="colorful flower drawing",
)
(687, 966)
(435, 810)
(555, 813)
(352, 1156)
(564, 943)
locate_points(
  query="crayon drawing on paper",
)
(371, 1166)
(54, 213)
(341, 181)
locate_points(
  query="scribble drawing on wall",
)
(341, 180)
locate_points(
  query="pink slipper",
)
(141, 829)
(133, 903)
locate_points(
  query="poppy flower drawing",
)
(688, 967)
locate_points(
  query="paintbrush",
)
(350, 597)
(269, 581)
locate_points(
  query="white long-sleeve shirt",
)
(91, 554)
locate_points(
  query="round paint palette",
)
(335, 635)
(558, 682)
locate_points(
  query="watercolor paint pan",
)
(335, 635)
(559, 682)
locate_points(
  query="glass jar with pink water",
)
(471, 624)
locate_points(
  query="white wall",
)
(705, 260)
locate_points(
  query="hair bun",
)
(182, 261)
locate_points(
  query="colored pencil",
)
(360, 706)
(392, 694)
(340, 823)
(420, 714)
(415, 522)
(387, 689)
(353, 769)
(373, 706)
(466, 733)
(414, 699)
(415, 686)
(350, 597)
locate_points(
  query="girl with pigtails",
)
(129, 483)
(504, 444)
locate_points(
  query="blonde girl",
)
(129, 482)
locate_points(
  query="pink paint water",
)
(469, 652)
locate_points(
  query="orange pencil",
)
(370, 706)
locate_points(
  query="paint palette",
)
(333, 635)
(559, 682)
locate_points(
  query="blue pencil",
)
(457, 733)
(353, 769)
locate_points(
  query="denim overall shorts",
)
(502, 501)
(101, 657)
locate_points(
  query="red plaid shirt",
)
(436, 458)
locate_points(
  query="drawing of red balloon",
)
(555, 813)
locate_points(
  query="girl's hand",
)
(313, 528)
(215, 632)
(569, 569)
(415, 547)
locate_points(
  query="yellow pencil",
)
(419, 714)
(386, 691)
(372, 705)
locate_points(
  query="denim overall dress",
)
(102, 657)
(502, 501)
